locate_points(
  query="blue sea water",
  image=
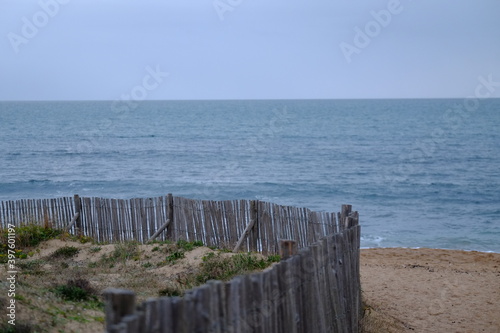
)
(421, 173)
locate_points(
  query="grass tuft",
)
(95, 249)
(26, 235)
(215, 267)
(126, 250)
(76, 290)
(170, 292)
(188, 246)
(174, 256)
(65, 252)
(19, 328)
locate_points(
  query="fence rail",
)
(216, 223)
(317, 290)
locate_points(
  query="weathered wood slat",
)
(198, 231)
(157, 223)
(199, 220)
(170, 216)
(143, 218)
(132, 218)
(189, 218)
(208, 224)
(221, 231)
(166, 320)
(151, 218)
(120, 215)
(173, 232)
(104, 219)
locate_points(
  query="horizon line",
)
(247, 99)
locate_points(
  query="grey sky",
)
(246, 49)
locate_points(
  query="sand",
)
(429, 290)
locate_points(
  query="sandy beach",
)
(430, 290)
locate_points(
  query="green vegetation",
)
(126, 250)
(31, 267)
(95, 249)
(19, 328)
(147, 265)
(26, 235)
(65, 252)
(188, 246)
(123, 252)
(76, 290)
(170, 292)
(216, 266)
(176, 251)
(274, 258)
(56, 303)
(30, 235)
(174, 256)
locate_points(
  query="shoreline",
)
(431, 290)
(422, 247)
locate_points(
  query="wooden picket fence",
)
(316, 290)
(252, 225)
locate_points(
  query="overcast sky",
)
(246, 49)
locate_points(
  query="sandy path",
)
(428, 290)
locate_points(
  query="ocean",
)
(421, 173)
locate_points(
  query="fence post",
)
(170, 215)
(288, 248)
(119, 304)
(78, 211)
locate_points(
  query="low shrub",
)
(126, 250)
(29, 235)
(65, 252)
(174, 256)
(188, 246)
(32, 267)
(26, 235)
(95, 249)
(76, 290)
(215, 267)
(170, 292)
(19, 328)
